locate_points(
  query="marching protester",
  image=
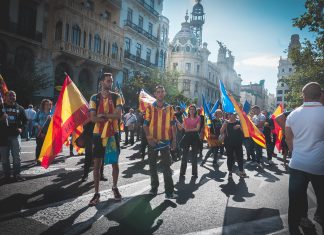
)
(305, 138)
(12, 121)
(201, 132)
(191, 126)
(41, 122)
(158, 125)
(30, 114)
(233, 144)
(258, 120)
(105, 111)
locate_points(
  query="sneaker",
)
(102, 178)
(117, 195)
(153, 192)
(19, 178)
(230, 176)
(95, 199)
(242, 174)
(194, 176)
(169, 196)
(306, 223)
(318, 219)
(84, 178)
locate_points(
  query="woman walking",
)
(233, 144)
(191, 125)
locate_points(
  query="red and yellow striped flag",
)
(3, 86)
(277, 128)
(75, 134)
(71, 111)
(249, 129)
(144, 100)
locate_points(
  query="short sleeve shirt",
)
(257, 119)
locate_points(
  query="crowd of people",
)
(168, 130)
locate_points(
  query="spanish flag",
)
(249, 129)
(75, 134)
(277, 128)
(71, 111)
(144, 100)
(3, 86)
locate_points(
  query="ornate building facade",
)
(198, 75)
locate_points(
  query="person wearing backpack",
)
(105, 111)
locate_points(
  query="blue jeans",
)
(13, 147)
(298, 205)
(258, 153)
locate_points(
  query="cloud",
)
(260, 61)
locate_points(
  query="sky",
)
(256, 31)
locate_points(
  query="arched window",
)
(97, 44)
(58, 31)
(85, 84)
(24, 58)
(114, 51)
(177, 48)
(187, 48)
(76, 35)
(60, 69)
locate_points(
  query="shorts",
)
(99, 149)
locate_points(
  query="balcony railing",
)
(148, 7)
(140, 30)
(86, 54)
(139, 60)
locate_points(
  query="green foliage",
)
(149, 80)
(309, 60)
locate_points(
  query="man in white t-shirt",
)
(305, 138)
(30, 114)
(130, 121)
(258, 120)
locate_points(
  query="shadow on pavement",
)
(137, 216)
(239, 191)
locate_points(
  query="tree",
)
(309, 60)
(148, 80)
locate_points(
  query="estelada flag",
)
(71, 111)
(248, 127)
(3, 86)
(277, 129)
(144, 100)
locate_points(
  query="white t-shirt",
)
(307, 125)
(130, 119)
(30, 114)
(257, 119)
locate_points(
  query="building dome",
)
(185, 34)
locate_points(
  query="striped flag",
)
(277, 129)
(75, 134)
(3, 86)
(249, 129)
(71, 111)
(144, 100)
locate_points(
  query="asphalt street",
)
(55, 201)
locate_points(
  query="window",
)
(187, 48)
(27, 18)
(148, 55)
(140, 22)
(290, 69)
(283, 70)
(58, 31)
(150, 28)
(84, 39)
(67, 30)
(279, 92)
(127, 44)
(177, 48)
(163, 34)
(198, 69)
(196, 86)
(76, 35)
(138, 50)
(97, 44)
(106, 15)
(88, 4)
(104, 47)
(279, 98)
(188, 67)
(186, 85)
(90, 41)
(24, 58)
(161, 59)
(282, 84)
(121, 53)
(175, 66)
(108, 49)
(114, 51)
(152, 3)
(129, 15)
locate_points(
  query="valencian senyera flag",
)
(144, 100)
(277, 129)
(71, 111)
(3, 86)
(249, 129)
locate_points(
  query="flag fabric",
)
(215, 107)
(71, 111)
(3, 86)
(249, 129)
(226, 103)
(76, 134)
(277, 129)
(144, 100)
(246, 107)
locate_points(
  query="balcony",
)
(140, 30)
(148, 7)
(139, 60)
(86, 54)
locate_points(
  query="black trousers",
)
(88, 159)
(184, 159)
(238, 151)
